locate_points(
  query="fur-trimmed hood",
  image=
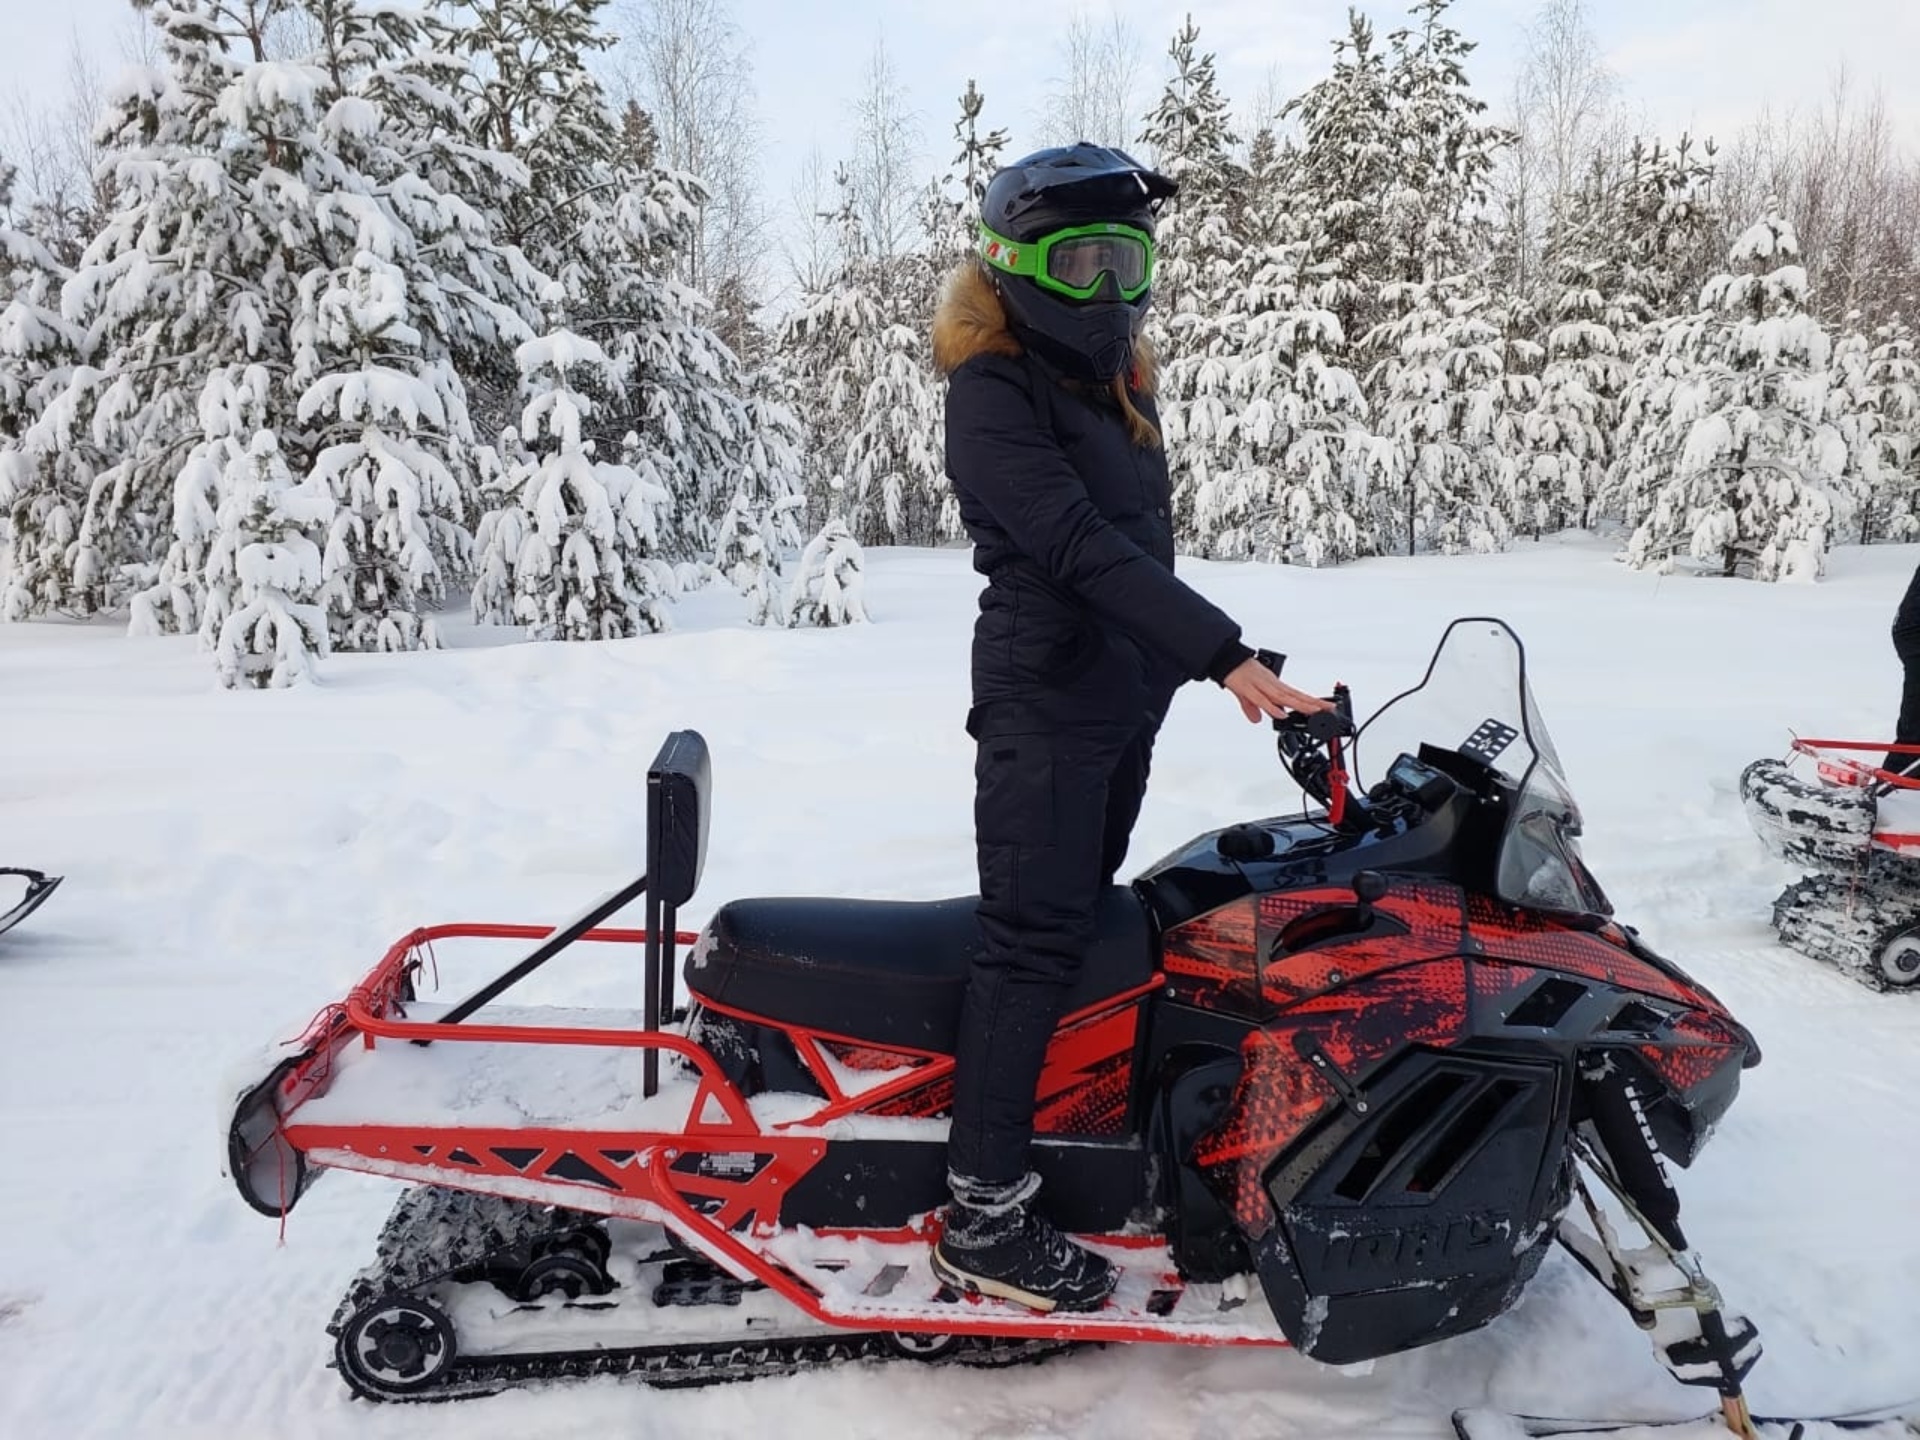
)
(971, 321)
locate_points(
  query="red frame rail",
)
(724, 1216)
(1857, 772)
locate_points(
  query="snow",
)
(475, 1083)
(235, 860)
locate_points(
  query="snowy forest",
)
(323, 316)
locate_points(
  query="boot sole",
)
(948, 1274)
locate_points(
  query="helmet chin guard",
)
(1089, 340)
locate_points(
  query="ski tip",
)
(1891, 1423)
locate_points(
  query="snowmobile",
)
(1854, 826)
(1335, 1081)
(38, 886)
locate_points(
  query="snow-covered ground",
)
(235, 860)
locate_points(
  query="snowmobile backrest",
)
(677, 787)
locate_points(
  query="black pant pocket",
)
(1013, 799)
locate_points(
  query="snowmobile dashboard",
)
(1413, 779)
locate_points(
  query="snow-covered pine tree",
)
(1438, 387)
(894, 456)
(898, 449)
(390, 429)
(1663, 215)
(608, 222)
(953, 222)
(1295, 496)
(572, 556)
(1229, 428)
(259, 204)
(236, 406)
(856, 356)
(1749, 462)
(759, 526)
(829, 583)
(262, 619)
(1874, 404)
(43, 499)
(1280, 487)
(1893, 379)
(1854, 410)
(813, 361)
(1435, 213)
(1565, 436)
(407, 282)
(1197, 271)
(183, 280)
(1437, 401)
(1521, 472)
(1342, 180)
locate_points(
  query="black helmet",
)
(1067, 235)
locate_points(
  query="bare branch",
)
(1095, 98)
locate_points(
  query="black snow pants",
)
(1054, 809)
(1906, 644)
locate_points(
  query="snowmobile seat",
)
(887, 972)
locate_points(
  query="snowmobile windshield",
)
(1475, 702)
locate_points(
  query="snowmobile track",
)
(434, 1237)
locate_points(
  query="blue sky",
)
(1708, 64)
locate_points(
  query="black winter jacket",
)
(1070, 521)
(1906, 623)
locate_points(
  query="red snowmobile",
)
(21, 893)
(1854, 826)
(1335, 1080)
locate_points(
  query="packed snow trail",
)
(233, 861)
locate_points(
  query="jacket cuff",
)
(1230, 657)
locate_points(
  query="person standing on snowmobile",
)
(1083, 636)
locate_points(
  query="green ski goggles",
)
(1073, 262)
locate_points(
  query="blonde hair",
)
(1144, 432)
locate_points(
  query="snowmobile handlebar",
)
(1323, 725)
(1311, 750)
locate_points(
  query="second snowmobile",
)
(1335, 1080)
(1854, 828)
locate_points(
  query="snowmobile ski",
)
(39, 887)
(1892, 1423)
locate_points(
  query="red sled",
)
(1328, 1080)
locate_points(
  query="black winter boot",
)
(996, 1244)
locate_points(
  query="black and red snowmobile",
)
(1850, 818)
(1336, 1081)
(21, 893)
